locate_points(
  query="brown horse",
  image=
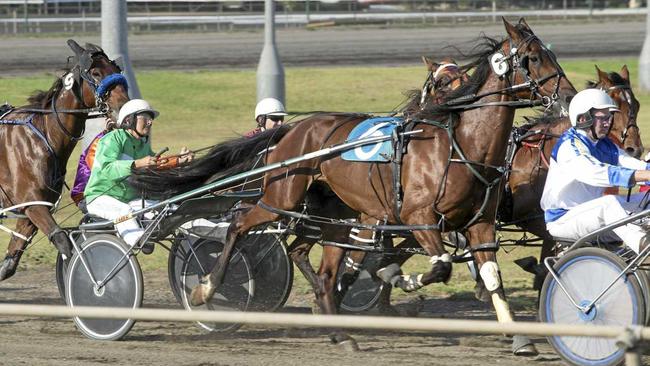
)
(443, 77)
(444, 180)
(36, 142)
(520, 203)
(530, 163)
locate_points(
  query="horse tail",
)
(226, 158)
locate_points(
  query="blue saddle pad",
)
(378, 152)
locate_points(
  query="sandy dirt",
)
(48, 341)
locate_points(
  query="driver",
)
(127, 147)
(269, 113)
(583, 163)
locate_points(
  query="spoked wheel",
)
(192, 259)
(364, 293)
(118, 283)
(61, 266)
(585, 273)
(272, 268)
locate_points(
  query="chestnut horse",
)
(446, 176)
(36, 142)
(530, 163)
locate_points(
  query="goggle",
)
(603, 117)
(276, 118)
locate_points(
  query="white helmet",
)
(587, 100)
(134, 106)
(270, 107)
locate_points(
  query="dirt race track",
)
(325, 47)
(49, 341)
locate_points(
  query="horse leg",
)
(325, 296)
(299, 254)
(482, 233)
(431, 241)
(383, 303)
(42, 218)
(16, 248)
(203, 292)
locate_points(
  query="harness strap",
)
(312, 218)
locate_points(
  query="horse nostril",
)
(632, 152)
(568, 99)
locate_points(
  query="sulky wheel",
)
(585, 273)
(61, 266)
(364, 293)
(272, 268)
(117, 283)
(195, 261)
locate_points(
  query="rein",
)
(469, 102)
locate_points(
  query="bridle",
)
(430, 84)
(512, 64)
(626, 90)
(101, 90)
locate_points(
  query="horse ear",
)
(512, 30)
(625, 73)
(78, 50)
(94, 48)
(522, 21)
(431, 66)
(602, 76)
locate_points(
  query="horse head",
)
(96, 80)
(624, 131)
(533, 69)
(444, 76)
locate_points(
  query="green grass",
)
(204, 107)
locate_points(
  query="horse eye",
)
(95, 74)
(534, 59)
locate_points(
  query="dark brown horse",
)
(36, 142)
(520, 203)
(530, 163)
(436, 189)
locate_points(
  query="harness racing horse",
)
(530, 163)
(525, 183)
(36, 142)
(446, 176)
(443, 77)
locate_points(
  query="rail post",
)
(644, 59)
(270, 73)
(630, 341)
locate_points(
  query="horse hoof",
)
(8, 268)
(196, 297)
(523, 346)
(349, 345)
(389, 272)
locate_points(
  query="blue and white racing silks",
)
(580, 169)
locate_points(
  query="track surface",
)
(48, 341)
(345, 46)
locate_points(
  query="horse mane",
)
(545, 119)
(223, 159)
(43, 98)
(480, 65)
